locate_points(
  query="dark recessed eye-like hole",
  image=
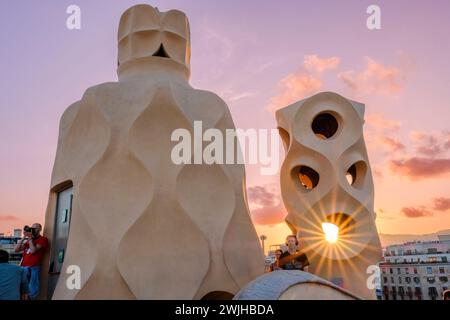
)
(356, 173)
(307, 177)
(161, 52)
(351, 175)
(324, 125)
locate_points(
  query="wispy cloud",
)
(294, 87)
(378, 173)
(265, 205)
(381, 214)
(441, 204)
(218, 42)
(8, 218)
(375, 78)
(412, 212)
(418, 168)
(306, 81)
(233, 95)
(431, 145)
(391, 144)
(430, 160)
(240, 96)
(379, 121)
(314, 63)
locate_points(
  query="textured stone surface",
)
(292, 284)
(143, 227)
(330, 148)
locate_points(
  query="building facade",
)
(416, 270)
(17, 233)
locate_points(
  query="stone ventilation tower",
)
(327, 188)
(141, 226)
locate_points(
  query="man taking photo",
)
(33, 246)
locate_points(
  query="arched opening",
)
(307, 177)
(351, 175)
(356, 173)
(343, 223)
(218, 295)
(325, 125)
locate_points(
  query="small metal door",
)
(60, 236)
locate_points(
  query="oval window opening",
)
(307, 177)
(351, 175)
(337, 225)
(325, 125)
(356, 173)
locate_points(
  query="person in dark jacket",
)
(13, 280)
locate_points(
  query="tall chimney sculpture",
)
(142, 226)
(327, 189)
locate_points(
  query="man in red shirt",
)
(33, 246)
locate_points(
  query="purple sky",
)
(243, 50)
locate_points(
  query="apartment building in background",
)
(416, 270)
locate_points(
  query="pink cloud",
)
(316, 64)
(379, 121)
(447, 142)
(392, 144)
(441, 204)
(417, 168)
(8, 218)
(378, 173)
(269, 215)
(305, 82)
(412, 212)
(261, 196)
(374, 79)
(431, 145)
(295, 86)
(265, 206)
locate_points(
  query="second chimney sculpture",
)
(327, 188)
